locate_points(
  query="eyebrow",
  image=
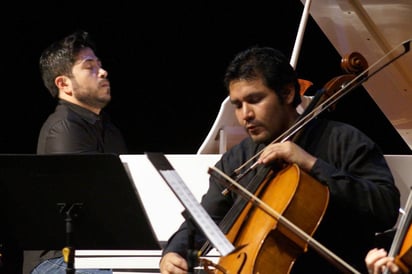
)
(89, 58)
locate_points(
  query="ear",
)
(289, 93)
(63, 83)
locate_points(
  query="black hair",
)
(266, 63)
(59, 58)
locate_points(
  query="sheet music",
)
(186, 197)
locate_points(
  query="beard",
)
(93, 98)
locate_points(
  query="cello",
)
(255, 261)
(401, 248)
(404, 258)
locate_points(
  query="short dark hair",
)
(266, 63)
(59, 58)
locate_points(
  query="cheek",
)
(263, 113)
(268, 110)
(239, 116)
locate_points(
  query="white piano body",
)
(372, 27)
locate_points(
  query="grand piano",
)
(372, 27)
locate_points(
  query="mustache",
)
(104, 82)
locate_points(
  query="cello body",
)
(404, 258)
(264, 244)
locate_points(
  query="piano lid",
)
(373, 28)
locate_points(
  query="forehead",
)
(86, 54)
(246, 85)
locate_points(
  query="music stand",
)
(108, 211)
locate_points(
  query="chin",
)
(106, 98)
(258, 139)
(104, 101)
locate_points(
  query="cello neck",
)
(401, 230)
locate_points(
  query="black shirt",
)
(73, 129)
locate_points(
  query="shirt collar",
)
(86, 114)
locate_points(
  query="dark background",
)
(166, 62)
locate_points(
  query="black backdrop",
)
(166, 62)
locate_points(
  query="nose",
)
(246, 112)
(103, 73)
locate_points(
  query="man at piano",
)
(363, 198)
(74, 76)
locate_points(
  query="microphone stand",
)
(70, 213)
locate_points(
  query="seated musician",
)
(264, 89)
(74, 77)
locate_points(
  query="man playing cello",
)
(264, 90)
